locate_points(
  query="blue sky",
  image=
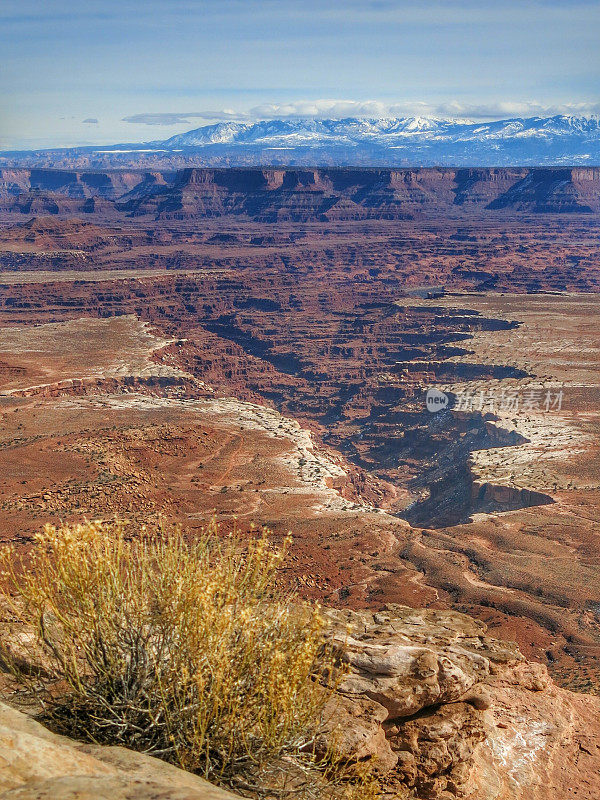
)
(101, 71)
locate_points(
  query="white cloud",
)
(335, 109)
(321, 109)
(504, 109)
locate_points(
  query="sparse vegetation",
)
(189, 651)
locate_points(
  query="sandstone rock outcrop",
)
(450, 712)
(36, 764)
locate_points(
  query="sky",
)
(76, 72)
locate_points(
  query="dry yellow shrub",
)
(189, 651)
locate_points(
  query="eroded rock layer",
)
(301, 194)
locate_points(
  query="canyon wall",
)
(302, 194)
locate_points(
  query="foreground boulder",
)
(450, 712)
(36, 764)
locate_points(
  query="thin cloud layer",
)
(185, 118)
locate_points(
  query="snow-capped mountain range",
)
(409, 141)
(385, 132)
(415, 141)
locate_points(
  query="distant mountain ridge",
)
(385, 131)
(409, 141)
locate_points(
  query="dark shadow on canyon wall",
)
(450, 492)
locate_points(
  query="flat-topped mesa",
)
(109, 184)
(554, 191)
(269, 194)
(354, 193)
(342, 179)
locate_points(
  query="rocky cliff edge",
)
(446, 712)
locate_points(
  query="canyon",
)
(259, 344)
